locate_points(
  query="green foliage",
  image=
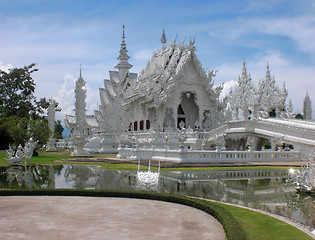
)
(16, 92)
(39, 130)
(20, 129)
(299, 116)
(16, 128)
(58, 130)
(266, 144)
(20, 113)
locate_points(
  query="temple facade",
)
(172, 90)
(172, 110)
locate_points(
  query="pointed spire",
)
(184, 40)
(175, 38)
(193, 43)
(80, 71)
(123, 65)
(80, 97)
(163, 38)
(307, 93)
(123, 36)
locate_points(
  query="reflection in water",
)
(266, 190)
(35, 177)
(148, 181)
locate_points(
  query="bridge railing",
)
(206, 156)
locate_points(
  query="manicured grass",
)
(263, 227)
(52, 157)
(46, 158)
(43, 157)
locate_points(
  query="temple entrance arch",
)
(188, 110)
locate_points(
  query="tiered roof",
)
(158, 80)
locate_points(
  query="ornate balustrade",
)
(191, 156)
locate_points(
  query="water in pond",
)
(261, 189)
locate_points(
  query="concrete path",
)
(55, 217)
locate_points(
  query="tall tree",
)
(20, 114)
(16, 92)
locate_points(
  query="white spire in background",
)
(123, 65)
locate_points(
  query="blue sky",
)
(60, 35)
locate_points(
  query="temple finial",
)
(123, 65)
(163, 37)
(175, 38)
(123, 36)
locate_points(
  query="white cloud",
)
(299, 28)
(227, 87)
(240, 31)
(5, 67)
(92, 99)
(66, 98)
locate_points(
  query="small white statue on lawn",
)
(15, 157)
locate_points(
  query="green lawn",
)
(259, 226)
(52, 157)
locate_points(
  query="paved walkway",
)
(55, 217)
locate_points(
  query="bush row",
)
(232, 228)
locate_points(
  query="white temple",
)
(173, 111)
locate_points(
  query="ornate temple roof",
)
(157, 81)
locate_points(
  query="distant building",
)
(307, 108)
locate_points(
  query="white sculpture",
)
(148, 180)
(51, 145)
(15, 158)
(304, 179)
(80, 124)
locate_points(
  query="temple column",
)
(200, 117)
(273, 145)
(235, 114)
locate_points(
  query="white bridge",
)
(299, 134)
(236, 141)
